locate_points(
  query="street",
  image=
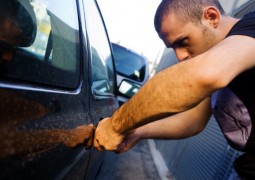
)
(136, 164)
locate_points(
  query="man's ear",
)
(212, 15)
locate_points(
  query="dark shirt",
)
(234, 106)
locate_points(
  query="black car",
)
(132, 71)
(57, 76)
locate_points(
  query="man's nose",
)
(181, 54)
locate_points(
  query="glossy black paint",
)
(32, 114)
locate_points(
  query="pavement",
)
(136, 164)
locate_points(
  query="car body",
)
(132, 71)
(57, 76)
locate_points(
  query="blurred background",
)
(130, 23)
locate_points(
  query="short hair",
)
(187, 10)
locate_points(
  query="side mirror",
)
(132, 71)
(128, 88)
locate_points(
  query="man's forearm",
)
(184, 85)
(178, 126)
(174, 90)
(167, 128)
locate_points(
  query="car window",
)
(128, 63)
(45, 48)
(101, 58)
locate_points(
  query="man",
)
(215, 74)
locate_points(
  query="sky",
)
(131, 24)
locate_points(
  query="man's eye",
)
(182, 43)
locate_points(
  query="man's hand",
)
(131, 139)
(106, 138)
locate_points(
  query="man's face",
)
(188, 39)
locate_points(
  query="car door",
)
(103, 101)
(49, 92)
(101, 80)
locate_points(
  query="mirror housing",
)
(127, 89)
(132, 71)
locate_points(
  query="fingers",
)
(103, 146)
(121, 149)
(89, 139)
(97, 146)
(130, 140)
(89, 143)
(101, 140)
(106, 138)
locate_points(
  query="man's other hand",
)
(132, 137)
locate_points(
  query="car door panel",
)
(36, 126)
(55, 81)
(45, 105)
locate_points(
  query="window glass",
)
(102, 63)
(42, 43)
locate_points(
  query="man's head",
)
(190, 27)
